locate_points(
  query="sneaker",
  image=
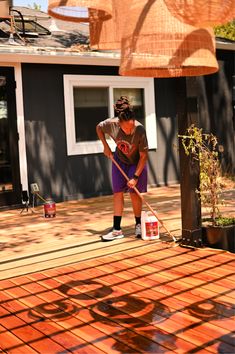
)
(138, 231)
(113, 235)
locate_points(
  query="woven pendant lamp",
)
(106, 34)
(105, 19)
(157, 44)
(4, 8)
(202, 13)
(70, 10)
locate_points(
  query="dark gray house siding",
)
(216, 111)
(166, 160)
(66, 177)
(58, 175)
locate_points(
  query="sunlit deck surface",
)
(62, 290)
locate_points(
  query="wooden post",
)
(189, 172)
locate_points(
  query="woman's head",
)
(123, 109)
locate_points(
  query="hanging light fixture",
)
(202, 13)
(106, 33)
(157, 44)
(153, 41)
(105, 17)
(4, 8)
(78, 10)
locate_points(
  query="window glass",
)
(90, 107)
(30, 26)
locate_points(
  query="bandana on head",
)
(123, 108)
(122, 104)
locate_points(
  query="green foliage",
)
(221, 221)
(226, 31)
(35, 6)
(203, 148)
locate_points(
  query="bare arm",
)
(142, 162)
(101, 136)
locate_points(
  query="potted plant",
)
(218, 231)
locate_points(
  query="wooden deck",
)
(62, 290)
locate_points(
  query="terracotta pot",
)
(220, 237)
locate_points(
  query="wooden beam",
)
(189, 171)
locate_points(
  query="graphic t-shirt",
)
(128, 146)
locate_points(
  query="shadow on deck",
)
(62, 290)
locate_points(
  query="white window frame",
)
(111, 82)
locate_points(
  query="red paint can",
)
(49, 209)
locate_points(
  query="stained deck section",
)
(64, 291)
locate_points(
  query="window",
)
(89, 99)
(27, 27)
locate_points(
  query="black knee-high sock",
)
(117, 222)
(137, 220)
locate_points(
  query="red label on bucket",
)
(49, 209)
(151, 228)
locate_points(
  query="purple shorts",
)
(119, 181)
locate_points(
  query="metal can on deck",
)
(49, 209)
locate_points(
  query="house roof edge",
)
(40, 55)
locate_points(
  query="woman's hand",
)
(132, 183)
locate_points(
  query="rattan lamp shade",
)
(106, 34)
(4, 8)
(70, 10)
(157, 44)
(105, 19)
(202, 13)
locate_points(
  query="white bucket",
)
(149, 226)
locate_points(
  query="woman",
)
(131, 154)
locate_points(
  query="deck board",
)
(62, 290)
